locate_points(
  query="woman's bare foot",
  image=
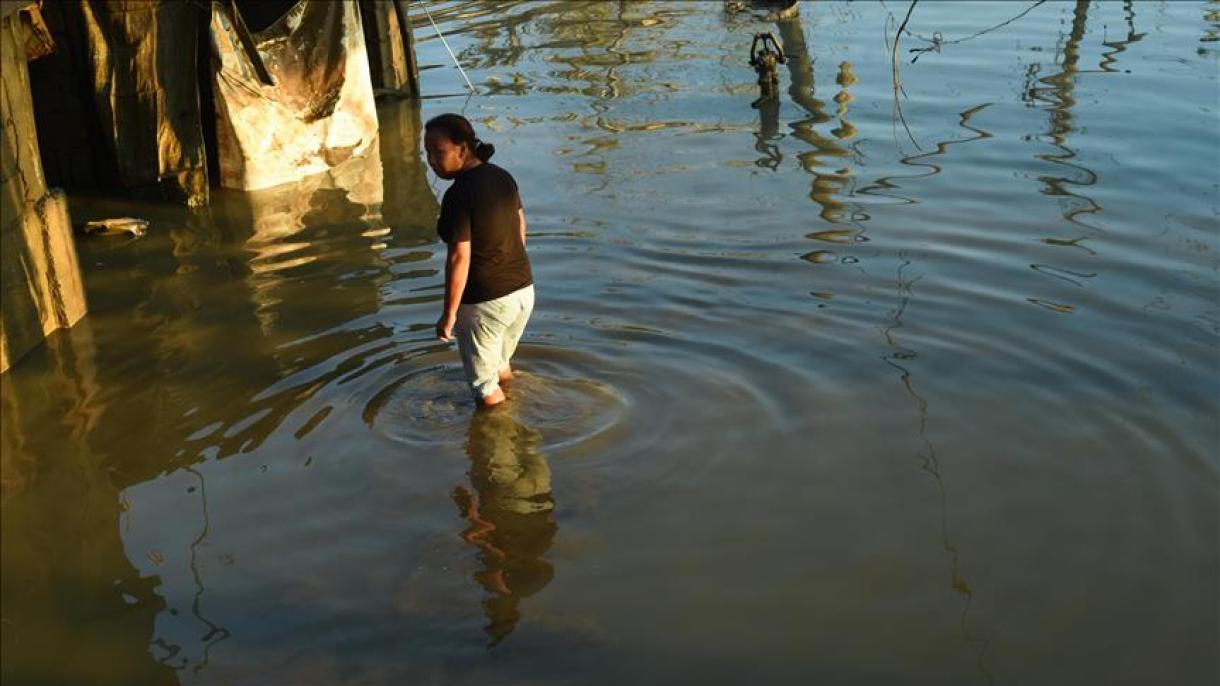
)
(495, 398)
(506, 374)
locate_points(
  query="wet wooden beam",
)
(40, 280)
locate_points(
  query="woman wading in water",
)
(489, 288)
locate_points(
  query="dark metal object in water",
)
(764, 59)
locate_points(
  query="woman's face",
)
(444, 156)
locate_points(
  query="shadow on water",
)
(509, 513)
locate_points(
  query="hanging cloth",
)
(304, 105)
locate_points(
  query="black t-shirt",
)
(481, 207)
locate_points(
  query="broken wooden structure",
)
(164, 99)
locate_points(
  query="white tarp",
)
(320, 111)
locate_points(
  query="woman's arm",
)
(521, 216)
(457, 269)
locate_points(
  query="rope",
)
(446, 44)
(937, 40)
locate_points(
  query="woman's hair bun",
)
(457, 128)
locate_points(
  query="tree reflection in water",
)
(510, 515)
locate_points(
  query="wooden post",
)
(408, 41)
(41, 289)
(390, 47)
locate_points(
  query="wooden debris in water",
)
(136, 228)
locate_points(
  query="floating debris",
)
(1061, 273)
(837, 236)
(119, 226)
(818, 256)
(1072, 243)
(1053, 307)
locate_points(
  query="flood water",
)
(805, 398)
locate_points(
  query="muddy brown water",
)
(805, 399)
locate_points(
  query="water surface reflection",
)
(76, 610)
(509, 514)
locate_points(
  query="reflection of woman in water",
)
(489, 291)
(509, 515)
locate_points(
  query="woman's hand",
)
(457, 269)
(444, 327)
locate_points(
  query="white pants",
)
(487, 335)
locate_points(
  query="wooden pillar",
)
(391, 47)
(408, 36)
(119, 98)
(40, 281)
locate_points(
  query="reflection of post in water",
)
(315, 262)
(800, 71)
(844, 78)
(928, 460)
(765, 55)
(1211, 33)
(1058, 94)
(409, 206)
(826, 187)
(768, 131)
(886, 185)
(1117, 47)
(510, 515)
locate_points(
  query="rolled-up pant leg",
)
(524, 304)
(487, 335)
